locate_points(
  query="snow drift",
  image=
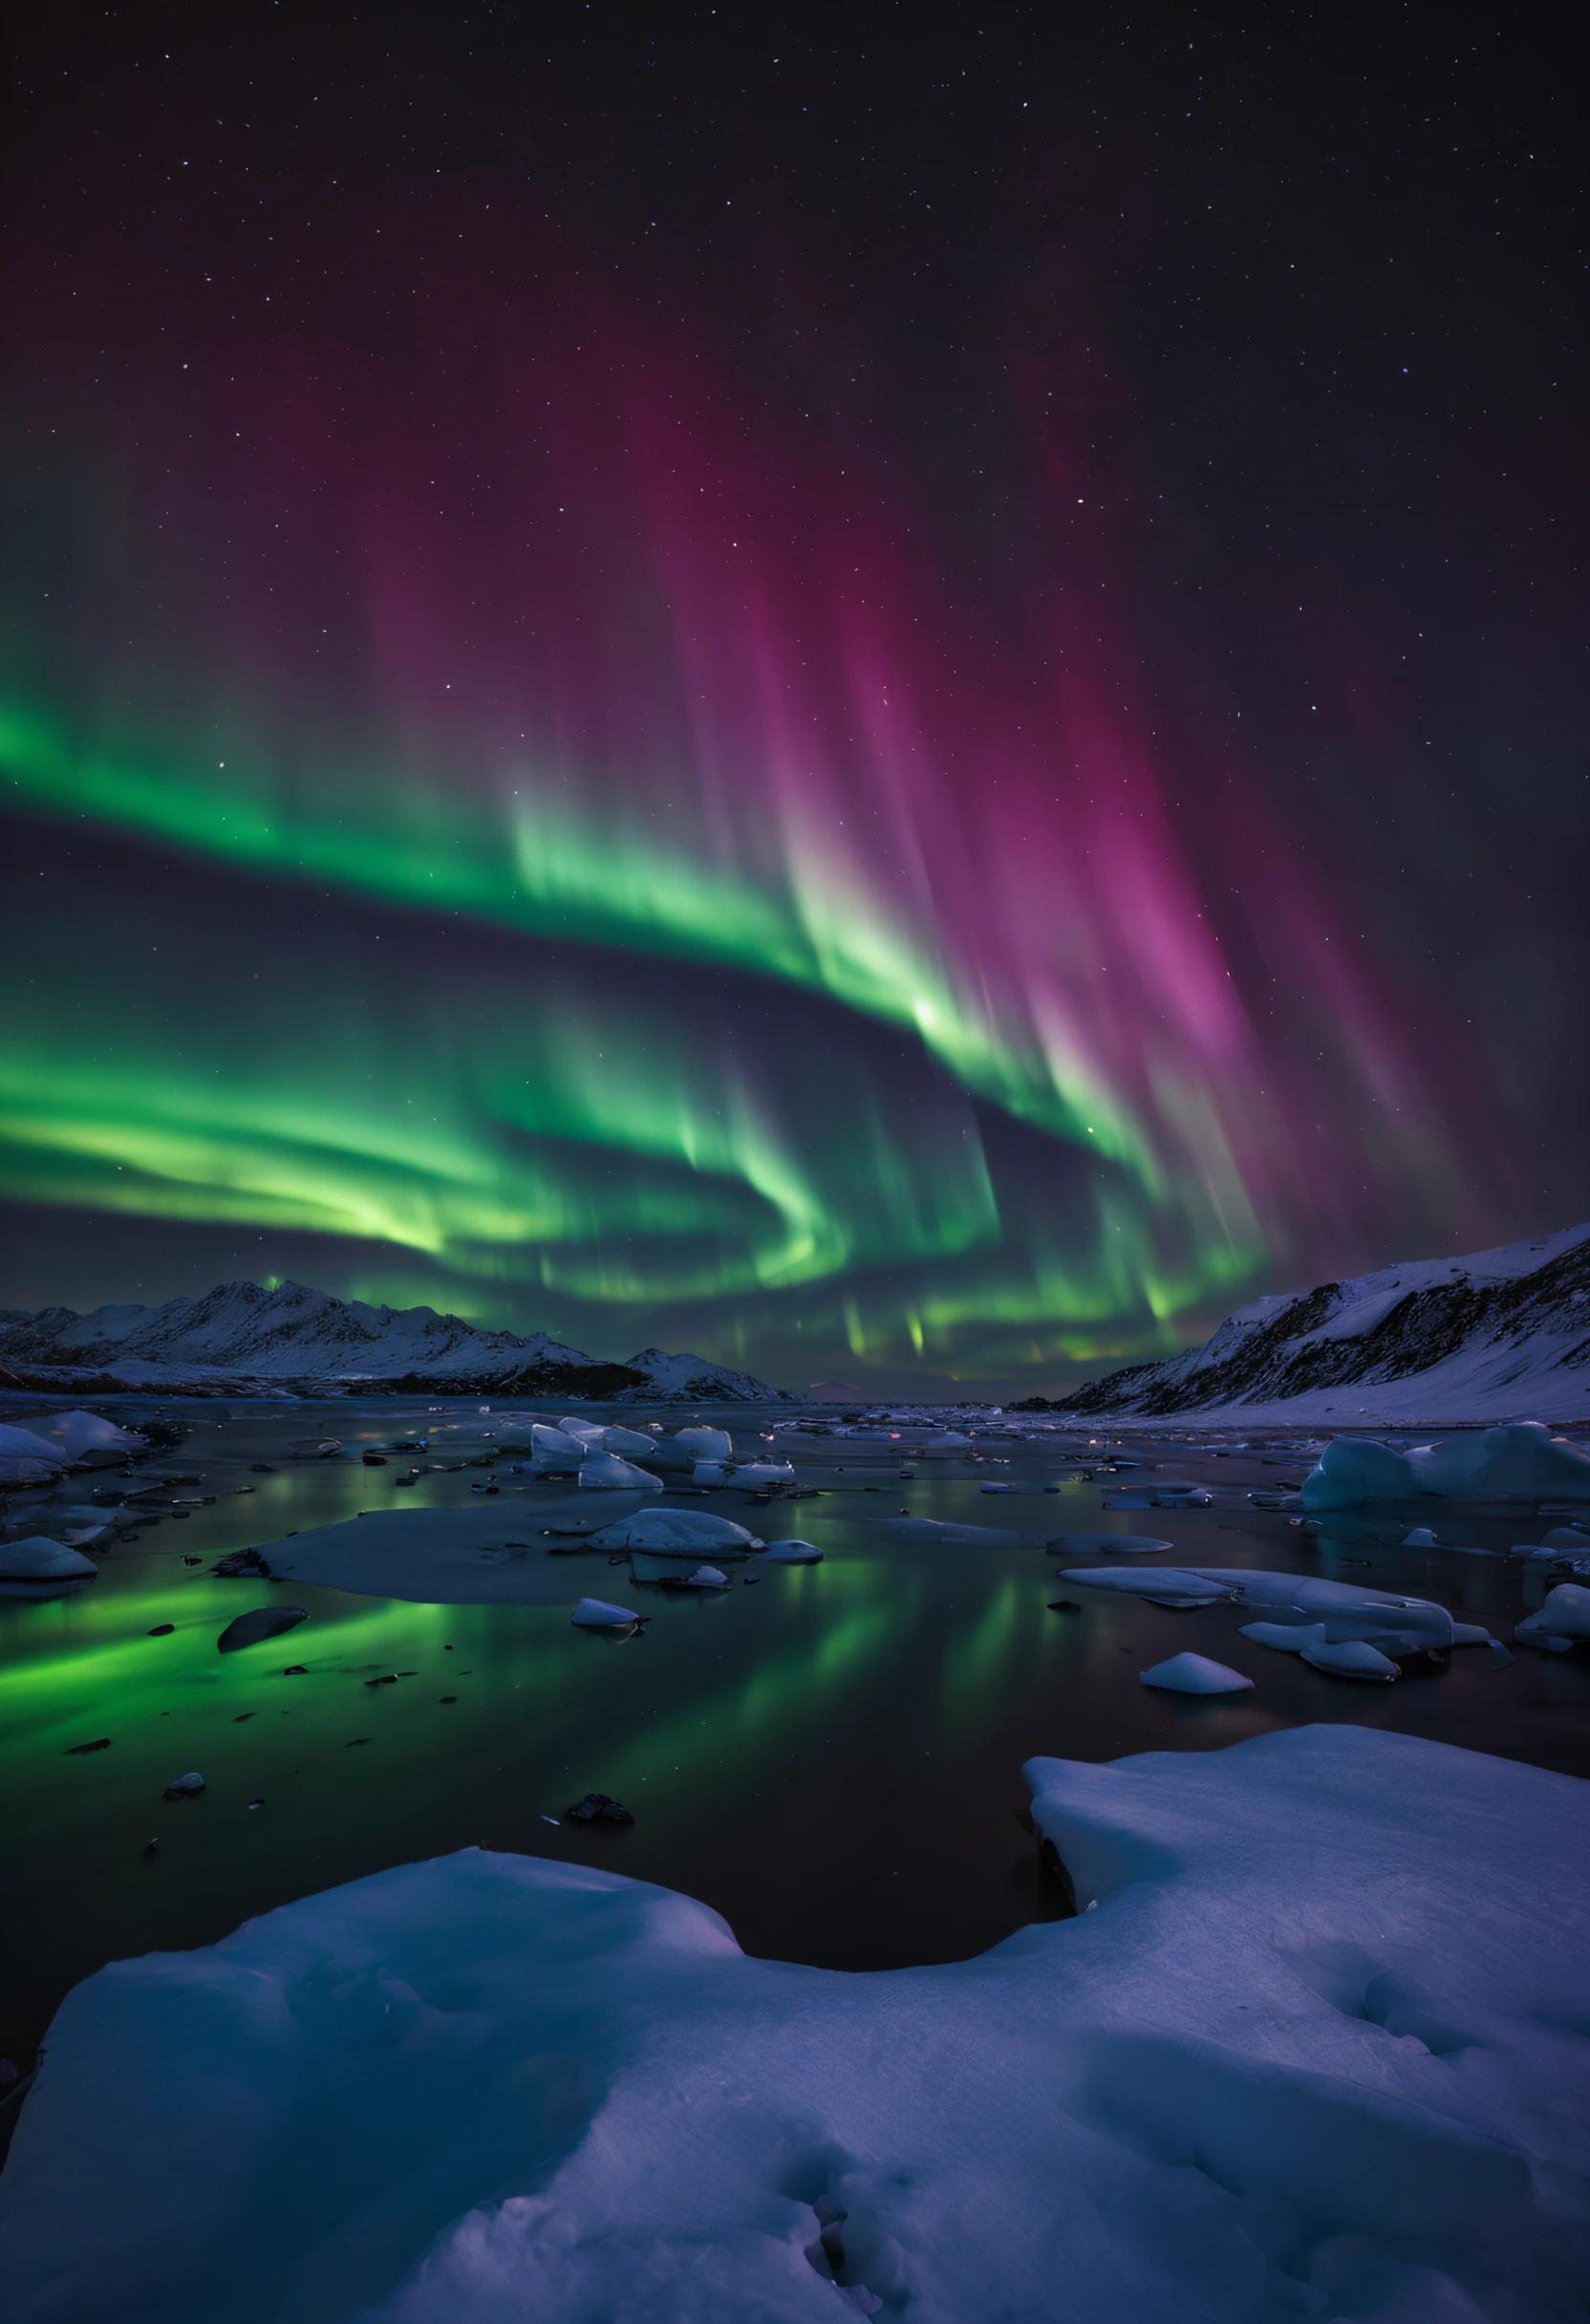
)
(1318, 2052)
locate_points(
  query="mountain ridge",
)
(242, 1337)
(1477, 1336)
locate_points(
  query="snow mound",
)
(1316, 2054)
(1196, 1674)
(1524, 1461)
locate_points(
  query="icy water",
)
(830, 1757)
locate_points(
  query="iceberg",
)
(1522, 1461)
(1196, 1674)
(1316, 2053)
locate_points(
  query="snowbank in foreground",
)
(1319, 2053)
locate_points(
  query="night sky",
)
(879, 691)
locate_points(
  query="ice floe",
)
(1316, 2053)
(433, 1556)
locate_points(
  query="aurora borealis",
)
(839, 699)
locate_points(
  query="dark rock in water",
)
(389, 1680)
(261, 1623)
(162, 1629)
(447, 1698)
(1064, 1606)
(240, 1562)
(261, 1468)
(597, 1808)
(74, 1751)
(296, 1671)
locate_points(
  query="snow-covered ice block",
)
(1196, 1674)
(763, 1473)
(597, 1614)
(1316, 2054)
(78, 1433)
(602, 1473)
(1565, 1615)
(683, 1533)
(1520, 1461)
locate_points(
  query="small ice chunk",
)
(791, 1552)
(597, 1614)
(708, 1577)
(1421, 1538)
(763, 1473)
(184, 1787)
(1196, 1674)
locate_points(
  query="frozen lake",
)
(829, 1758)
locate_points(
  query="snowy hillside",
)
(1495, 1335)
(243, 1338)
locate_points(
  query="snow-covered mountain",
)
(1497, 1335)
(692, 1379)
(241, 1337)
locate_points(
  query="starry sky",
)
(899, 696)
